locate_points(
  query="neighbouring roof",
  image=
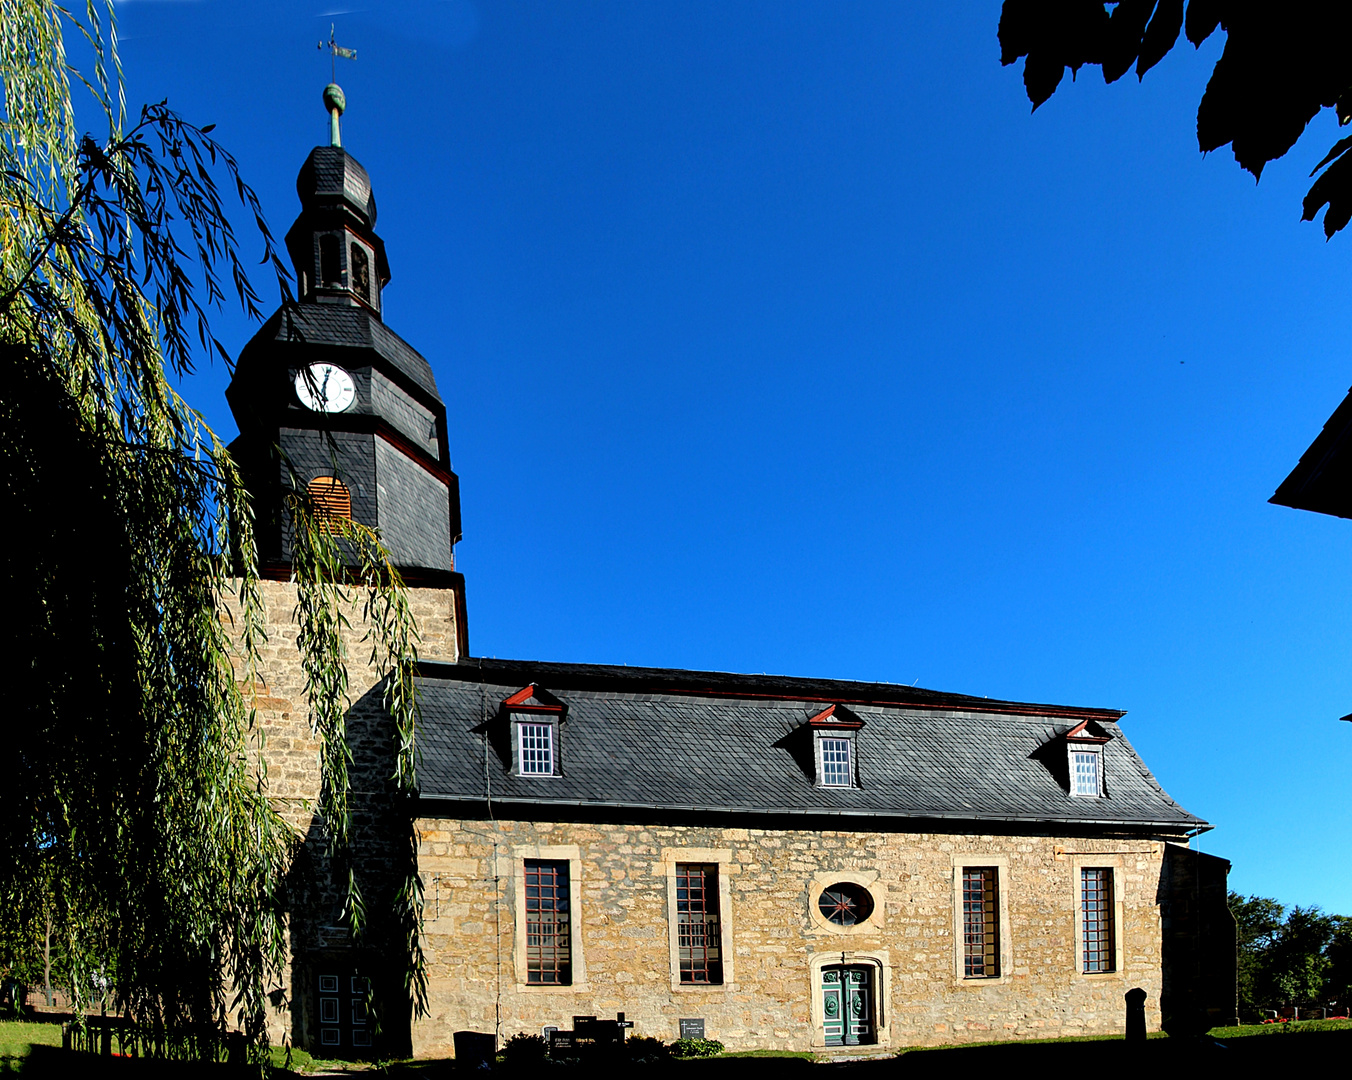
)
(654, 739)
(1320, 481)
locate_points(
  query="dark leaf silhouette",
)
(1334, 189)
(1339, 148)
(1160, 35)
(1203, 18)
(1281, 65)
(1125, 29)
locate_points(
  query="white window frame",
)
(520, 722)
(1096, 751)
(846, 737)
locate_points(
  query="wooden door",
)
(848, 1005)
(345, 1026)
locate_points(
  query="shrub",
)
(685, 1048)
(645, 1050)
(524, 1049)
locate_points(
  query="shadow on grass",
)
(45, 1061)
(1299, 1052)
(1302, 1052)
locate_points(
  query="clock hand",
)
(324, 386)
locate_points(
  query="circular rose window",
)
(845, 903)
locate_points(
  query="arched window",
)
(330, 260)
(331, 500)
(361, 271)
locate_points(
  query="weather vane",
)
(334, 100)
(335, 51)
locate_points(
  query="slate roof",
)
(656, 739)
(330, 174)
(346, 326)
(1319, 482)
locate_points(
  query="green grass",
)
(18, 1037)
(1221, 1034)
(301, 1061)
(1244, 1030)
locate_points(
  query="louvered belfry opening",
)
(332, 502)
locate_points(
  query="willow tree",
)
(134, 820)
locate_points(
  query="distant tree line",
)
(1297, 956)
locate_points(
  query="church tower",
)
(328, 398)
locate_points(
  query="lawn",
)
(1267, 1046)
(18, 1037)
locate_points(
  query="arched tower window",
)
(361, 271)
(330, 260)
(332, 502)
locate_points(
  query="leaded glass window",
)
(980, 923)
(698, 934)
(845, 903)
(549, 957)
(1096, 909)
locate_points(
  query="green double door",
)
(848, 1005)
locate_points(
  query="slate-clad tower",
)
(328, 397)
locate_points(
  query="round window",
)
(845, 903)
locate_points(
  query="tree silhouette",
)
(135, 824)
(1282, 64)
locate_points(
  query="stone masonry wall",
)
(291, 753)
(777, 945)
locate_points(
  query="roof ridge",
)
(694, 683)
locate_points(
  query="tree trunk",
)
(47, 960)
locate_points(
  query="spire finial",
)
(335, 103)
(334, 100)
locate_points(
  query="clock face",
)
(325, 388)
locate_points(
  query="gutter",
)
(938, 815)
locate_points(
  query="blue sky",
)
(781, 337)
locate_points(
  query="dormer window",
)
(834, 732)
(535, 716)
(1085, 750)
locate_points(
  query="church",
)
(776, 863)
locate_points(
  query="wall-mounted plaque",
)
(692, 1029)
